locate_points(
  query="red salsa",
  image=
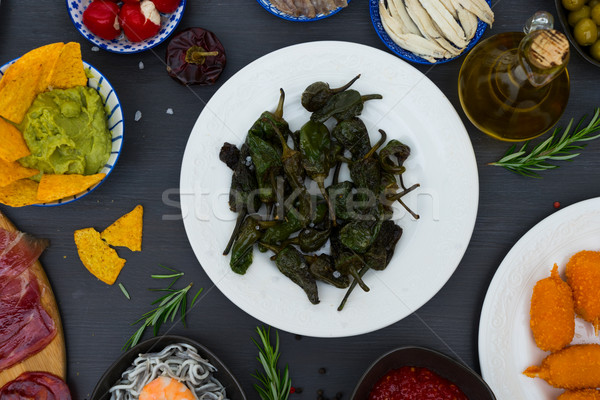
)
(415, 383)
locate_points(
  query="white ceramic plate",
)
(506, 345)
(413, 110)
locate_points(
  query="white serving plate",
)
(413, 110)
(506, 344)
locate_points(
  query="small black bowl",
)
(562, 17)
(465, 379)
(156, 344)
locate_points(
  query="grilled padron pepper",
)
(340, 195)
(291, 160)
(358, 236)
(293, 265)
(315, 147)
(394, 149)
(310, 239)
(241, 253)
(380, 253)
(267, 162)
(343, 105)
(321, 267)
(319, 216)
(366, 172)
(243, 185)
(352, 134)
(389, 186)
(264, 126)
(315, 96)
(230, 155)
(346, 261)
(284, 229)
(361, 273)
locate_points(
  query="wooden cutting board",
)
(53, 358)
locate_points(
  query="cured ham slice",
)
(18, 251)
(35, 385)
(25, 327)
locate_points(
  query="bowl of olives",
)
(581, 22)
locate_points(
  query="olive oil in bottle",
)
(514, 86)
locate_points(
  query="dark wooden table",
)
(97, 317)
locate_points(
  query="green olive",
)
(595, 14)
(573, 5)
(576, 16)
(595, 50)
(585, 32)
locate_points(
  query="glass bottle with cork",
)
(515, 86)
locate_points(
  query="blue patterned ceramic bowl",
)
(407, 55)
(114, 115)
(275, 11)
(122, 45)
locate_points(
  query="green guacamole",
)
(66, 132)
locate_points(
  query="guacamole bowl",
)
(114, 117)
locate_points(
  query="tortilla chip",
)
(55, 187)
(20, 193)
(50, 54)
(69, 68)
(98, 257)
(126, 231)
(19, 89)
(13, 145)
(46, 55)
(13, 171)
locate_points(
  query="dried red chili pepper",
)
(195, 56)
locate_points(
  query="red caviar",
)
(415, 383)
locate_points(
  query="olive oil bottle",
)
(515, 86)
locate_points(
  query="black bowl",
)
(467, 380)
(562, 17)
(112, 375)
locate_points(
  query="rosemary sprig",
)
(555, 148)
(167, 307)
(272, 385)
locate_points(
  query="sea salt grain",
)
(170, 111)
(138, 115)
(95, 48)
(141, 65)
